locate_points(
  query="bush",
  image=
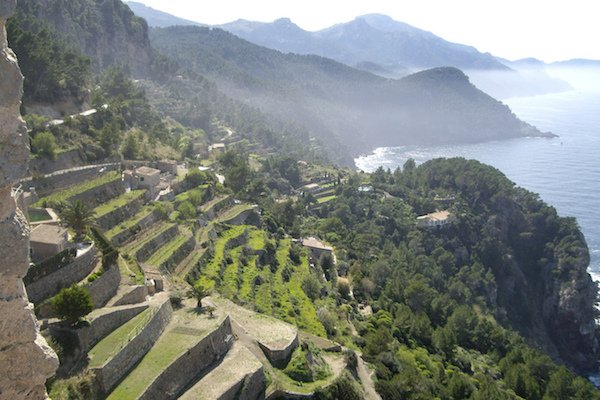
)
(311, 287)
(344, 387)
(71, 304)
(44, 143)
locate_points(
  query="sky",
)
(550, 30)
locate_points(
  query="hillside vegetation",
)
(338, 104)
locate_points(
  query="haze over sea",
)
(565, 171)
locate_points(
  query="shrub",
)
(311, 287)
(44, 143)
(71, 304)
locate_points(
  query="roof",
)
(436, 216)
(147, 171)
(50, 234)
(311, 186)
(314, 243)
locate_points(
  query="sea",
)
(564, 171)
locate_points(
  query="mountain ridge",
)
(361, 109)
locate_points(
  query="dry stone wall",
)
(122, 237)
(159, 240)
(103, 288)
(137, 294)
(178, 256)
(122, 213)
(101, 194)
(104, 324)
(51, 284)
(177, 376)
(116, 368)
(26, 361)
(45, 185)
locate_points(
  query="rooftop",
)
(51, 234)
(315, 244)
(435, 216)
(147, 171)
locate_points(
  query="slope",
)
(375, 38)
(341, 104)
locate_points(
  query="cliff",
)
(26, 361)
(106, 31)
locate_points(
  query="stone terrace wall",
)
(115, 369)
(178, 255)
(123, 213)
(26, 361)
(253, 387)
(105, 324)
(280, 356)
(48, 184)
(177, 376)
(105, 286)
(124, 236)
(101, 194)
(249, 217)
(51, 284)
(137, 294)
(147, 249)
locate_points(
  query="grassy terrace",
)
(211, 203)
(148, 235)
(325, 199)
(234, 212)
(171, 345)
(108, 347)
(211, 272)
(66, 194)
(118, 202)
(181, 197)
(129, 223)
(166, 251)
(258, 285)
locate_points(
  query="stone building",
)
(316, 247)
(47, 240)
(437, 219)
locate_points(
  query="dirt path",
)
(364, 375)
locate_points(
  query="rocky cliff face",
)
(26, 361)
(106, 31)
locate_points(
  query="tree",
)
(45, 143)
(311, 286)
(198, 292)
(131, 147)
(79, 216)
(186, 210)
(71, 304)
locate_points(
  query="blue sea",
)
(565, 171)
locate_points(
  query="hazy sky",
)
(550, 30)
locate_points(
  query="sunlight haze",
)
(548, 30)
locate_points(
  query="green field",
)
(128, 223)
(118, 202)
(66, 194)
(108, 347)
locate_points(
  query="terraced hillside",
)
(249, 267)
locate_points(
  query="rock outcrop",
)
(26, 361)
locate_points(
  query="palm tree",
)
(79, 216)
(198, 292)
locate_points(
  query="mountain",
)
(577, 62)
(106, 31)
(341, 104)
(373, 38)
(157, 18)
